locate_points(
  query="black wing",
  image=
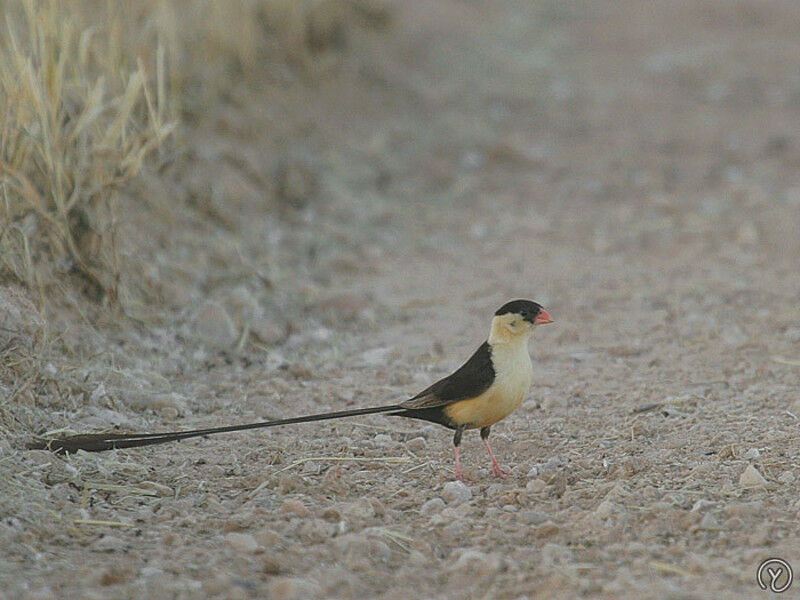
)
(471, 379)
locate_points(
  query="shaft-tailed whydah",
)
(484, 390)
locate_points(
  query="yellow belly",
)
(513, 374)
(485, 410)
(501, 399)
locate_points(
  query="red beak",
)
(543, 318)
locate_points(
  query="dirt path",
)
(634, 171)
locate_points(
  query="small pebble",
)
(150, 571)
(787, 477)
(311, 467)
(760, 537)
(213, 326)
(216, 583)
(636, 548)
(417, 444)
(752, 454)
(432, 506)
(534, 517)
(294, 507)
(300, 371)
(554, 402)
(169, 413)
(158, 402)
(553, 464)
(359, 510)
(109, 543)
(268, 331)
(744, 509)
(605, 509)
(751, 477)
(282, 588)
(535, 486)
(160, 489)
(546, 529)
(375, 357)
(59, 472)
(581, 356)
(734, 336)
(382, 440)
(494, 489)
(456, 492)
(554, 554)
(747, 234)
(42, 593)
(242, 542)
(478, 563)
(702, 505)
(332, 515)
(351, 547)
(709, 523)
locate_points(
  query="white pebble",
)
(709, 523)
(382, 440)
(434, 505)
(751, 477)
(455, 492)
(416, 444)
(242, 542)
(752, 454)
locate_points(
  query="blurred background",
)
(219, 211)
(151, 151)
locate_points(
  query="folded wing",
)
(472, 379)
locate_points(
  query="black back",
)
(471, 379)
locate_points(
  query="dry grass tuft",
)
(89, 93)
(78, 120)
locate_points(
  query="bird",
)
(486, 389)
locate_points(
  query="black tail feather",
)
(98, 442)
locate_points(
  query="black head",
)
(527, 309)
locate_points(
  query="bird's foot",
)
(501, 473)
(460, 476)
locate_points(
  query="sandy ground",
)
(632, 166)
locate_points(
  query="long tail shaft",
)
(97, 442)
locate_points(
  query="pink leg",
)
(459, 474)
(456, 444)
(495, 466)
